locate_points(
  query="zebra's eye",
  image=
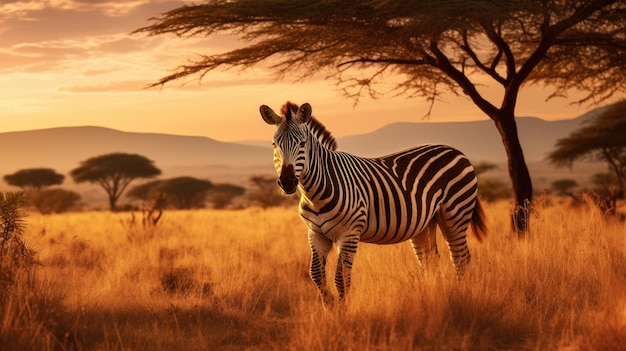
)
(302, 143)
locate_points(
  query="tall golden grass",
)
(230, 280)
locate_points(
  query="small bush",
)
(492, 189)
(54, 200)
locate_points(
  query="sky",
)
(76, 63)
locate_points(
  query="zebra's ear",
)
(269, 116)
(304, 113)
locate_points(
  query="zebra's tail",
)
(478, 224)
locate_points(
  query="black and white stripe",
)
(346, 199)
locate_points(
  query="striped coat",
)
(346, 199)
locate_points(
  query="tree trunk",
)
(518, 171)
(112, 203)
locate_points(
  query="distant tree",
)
(34, 179)
(492, 189)
(53, 200)
(113, 172)
(484, 167)
(424, 48)
(604, 183)
(184, 192)
(265, 192)
(144, 191)
(607, 191)
(222, 195)
(602, 138)
(563, 187)
(154, 202)
(180, 192)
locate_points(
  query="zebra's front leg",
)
(347, 251)
(320, 247)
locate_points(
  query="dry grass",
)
(230, 280)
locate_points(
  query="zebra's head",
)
(290, 142)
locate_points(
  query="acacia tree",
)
(222, 195)
(264, 192)
(54, 200)
(34, 178)
(113, 172)
(180, 192)
(429, 46)
(184, 192)
(563, 187)
(603, 139)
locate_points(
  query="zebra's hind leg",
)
(320, 247)
(455, 234)
(425, 245)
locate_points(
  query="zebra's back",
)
(419, 182)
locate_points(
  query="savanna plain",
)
(237, 279)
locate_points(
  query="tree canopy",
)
(54, 200)
(113, 172)
(429, 47)
(432, 45)
(180, 192)
(143, 191)
(184, 192)
(264, 192)
(602, 138)
(563, 187)
(222, 195)
(34, 178)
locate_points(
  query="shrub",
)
(222, 195)
(492, 189)
(54, 200)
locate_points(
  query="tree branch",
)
(550, 33)
(383, 60)
(503, 48)
(488, 70)
(441, 61)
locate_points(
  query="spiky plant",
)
(14, 252)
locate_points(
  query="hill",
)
(479, 140)
(64, 148)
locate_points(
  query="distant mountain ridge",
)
(64, 148)
(479, 140)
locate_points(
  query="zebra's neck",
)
(315, 171)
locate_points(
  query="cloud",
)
(142, 86)
(112, 87)
(85, 47)
(97, 72)
(33, 21)
(19, 8)
(52, 55)
(41, 35)
(113, 8)
(29, 104)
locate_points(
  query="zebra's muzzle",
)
(287, 180)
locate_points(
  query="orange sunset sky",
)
(74, 63)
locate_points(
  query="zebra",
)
(346, 199)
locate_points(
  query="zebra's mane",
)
(316, 127)
(323, 135)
